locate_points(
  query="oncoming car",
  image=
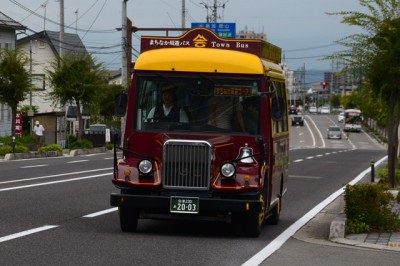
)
(297, 119)
(340, 117)
(334, 132)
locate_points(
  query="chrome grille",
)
(186, 164)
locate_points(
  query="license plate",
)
(184, 205)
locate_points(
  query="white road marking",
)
(95, 214)
(299, 160)
(80, 161)
(305, 176)
(54, 182)
(27, 232)
(275, 244)
(56, 175)
(33, 166)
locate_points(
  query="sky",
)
(300, 27)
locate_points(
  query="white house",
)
(8, 28)
(43, 47)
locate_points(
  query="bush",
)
(52, 147)
(83, 144)
(383, 175)
(24, 140)
(367, 207)
(8, 149)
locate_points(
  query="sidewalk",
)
(328, 228)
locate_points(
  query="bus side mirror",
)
(278, 108)
(121, 102)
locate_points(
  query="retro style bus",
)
(220, 151)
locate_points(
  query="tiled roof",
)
(7, 22)
(72, 42)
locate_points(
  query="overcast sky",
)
(300, 27)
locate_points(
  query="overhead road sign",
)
(223, 30)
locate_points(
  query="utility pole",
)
(124, 42)
(214, 10)
(124, 65)
(61, 28)
(183, 14)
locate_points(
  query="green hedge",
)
(52, 147)
(8, 149)
(368, 208)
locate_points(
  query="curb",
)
(337, 228)
(32, 155)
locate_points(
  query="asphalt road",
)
(56, 210)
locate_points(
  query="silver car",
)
(334, 132)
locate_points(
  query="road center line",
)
(33, 166)
(27, 232)
(55, 182)
(56, 175)
(80, 161)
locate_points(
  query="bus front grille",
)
(186, 164)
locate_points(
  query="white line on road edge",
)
(95, 214)
(55, 182)
(27, 232)
(282, 238)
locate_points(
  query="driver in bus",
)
(168, 111)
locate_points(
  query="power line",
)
(57, 23)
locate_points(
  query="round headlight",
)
(145, 166)
(228, 170)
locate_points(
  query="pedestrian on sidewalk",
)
(38, 130)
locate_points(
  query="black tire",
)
(252, 227)
(128, 219)
(255, 220)
(273, 219)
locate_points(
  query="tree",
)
(75, 79)
(14, 80)
(105, 101)
(375, 53)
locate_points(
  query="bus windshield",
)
(197, 104)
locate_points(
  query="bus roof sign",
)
(206, 38)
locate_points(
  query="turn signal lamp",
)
(127, 173)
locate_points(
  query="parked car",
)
(334, 132)
(297, 119)
(312, 110)
(340, 117)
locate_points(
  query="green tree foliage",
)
(76, 80)
(374, 53)
(335, 101)
(105, 102)
(14, 80)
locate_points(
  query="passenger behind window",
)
(250, 114)
(168, 111)
(225, 113)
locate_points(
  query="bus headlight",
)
(228, 170)
(145, 167)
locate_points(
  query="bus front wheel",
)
(128, 218)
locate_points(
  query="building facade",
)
(8, 30)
